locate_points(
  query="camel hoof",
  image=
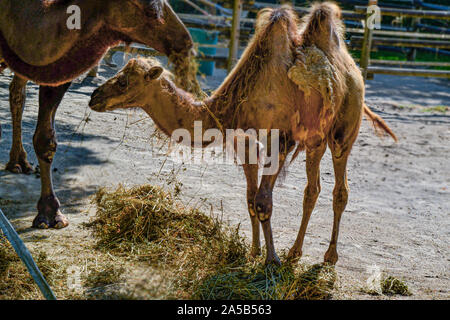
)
(19, 167)
(331, 257)
(58, 222)
(294, 254)
(42, 225)
(255, 252)
(274, 260)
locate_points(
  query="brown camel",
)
(37, 45)
(266, 90)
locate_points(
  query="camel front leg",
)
(18, 162)
(264, 207)
(251, 174)
(310, 196)
(44, 140)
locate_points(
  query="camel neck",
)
(173, 108)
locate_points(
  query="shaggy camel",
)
(266, 90)
(36, 45)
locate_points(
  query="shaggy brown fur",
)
(259, 94)
(36, 45)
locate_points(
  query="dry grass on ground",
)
(204, 258)
(16, 282)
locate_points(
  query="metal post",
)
(367, 44)
(235, 32)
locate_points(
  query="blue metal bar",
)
(431, 5)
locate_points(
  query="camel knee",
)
(263, 205)
(45, 145)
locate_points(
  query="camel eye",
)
(123, 82)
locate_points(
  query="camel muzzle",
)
(97, 103)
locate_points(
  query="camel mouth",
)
(99, 106)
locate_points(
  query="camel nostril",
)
(94, 98)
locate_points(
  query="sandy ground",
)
(398, 212)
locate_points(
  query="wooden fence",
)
(235, 31)
(372, 39)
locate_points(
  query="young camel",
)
(37, 45)
(259, 94)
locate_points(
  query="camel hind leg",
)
(340, 142)
(18, 162)
(340, 197)
(311, 193)
(340, 156)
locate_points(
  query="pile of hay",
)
(15, 281)
(204, 258)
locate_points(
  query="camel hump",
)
(268, 17)
(323, 25)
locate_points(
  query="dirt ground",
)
(397, 217)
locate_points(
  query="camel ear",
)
(153, 73)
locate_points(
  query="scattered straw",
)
(103, 277)
(15, 281)
(202, 257)
(391, 285)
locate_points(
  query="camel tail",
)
(378, 123)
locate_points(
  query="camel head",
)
(131, 87)
(150, 22)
